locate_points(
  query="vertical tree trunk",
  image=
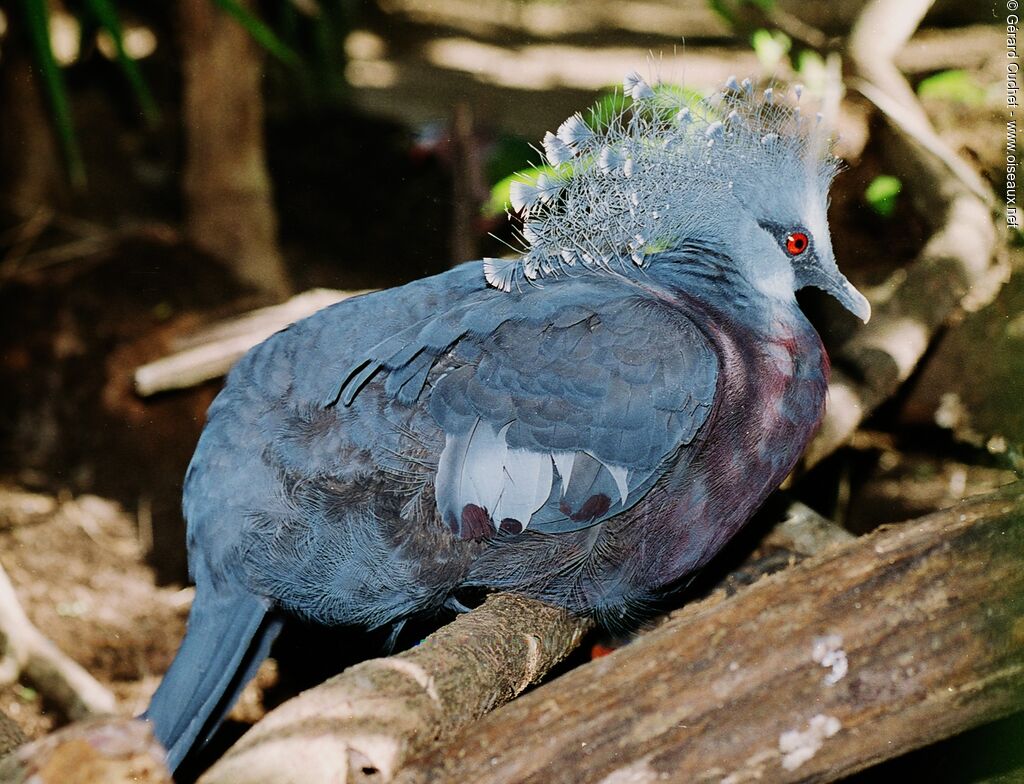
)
(30, 165)
(468, 188)
(229, 206)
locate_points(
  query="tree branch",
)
(957, 261)
(362, 725)
(375, 716)
(898, 639)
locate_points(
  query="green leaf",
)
(723, 12)
(608, 107)
(509, 155)
(106, 16)
(881, 194)
(771, 47)
(668, 99)
(500, 198)
(38, 19)
(260, 32)
(813, 71)
(956, 86)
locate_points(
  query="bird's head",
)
(743, 168)
(806, 246)
(779, 168)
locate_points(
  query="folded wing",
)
(556, 414)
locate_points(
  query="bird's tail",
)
(229, 635)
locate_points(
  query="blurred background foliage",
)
(304, 46)
(306, 37)
(254, 148)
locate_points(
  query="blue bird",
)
(585, 424)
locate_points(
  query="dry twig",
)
(25, 652)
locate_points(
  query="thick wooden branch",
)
(860, 654)
(362, 725)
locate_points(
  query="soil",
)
(80, 574)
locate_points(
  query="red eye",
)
(796, 243)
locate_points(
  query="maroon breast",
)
(769, 403)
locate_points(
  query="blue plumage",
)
(586, 424)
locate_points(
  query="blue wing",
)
(560, 406)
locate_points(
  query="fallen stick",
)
(896, 640)
(26, 652)
(210, 353)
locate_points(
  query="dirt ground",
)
(80, 573)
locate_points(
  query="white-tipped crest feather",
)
(636, 87)
(575, 133)
(499, 273)
(555, 150)
(640, 181)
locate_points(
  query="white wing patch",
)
(526, 480)
(620, 474)
(479, 469)
(563, 463)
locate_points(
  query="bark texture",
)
(894, 641)
(229, 205)
(362, 725)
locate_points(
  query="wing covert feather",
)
(560, 406)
